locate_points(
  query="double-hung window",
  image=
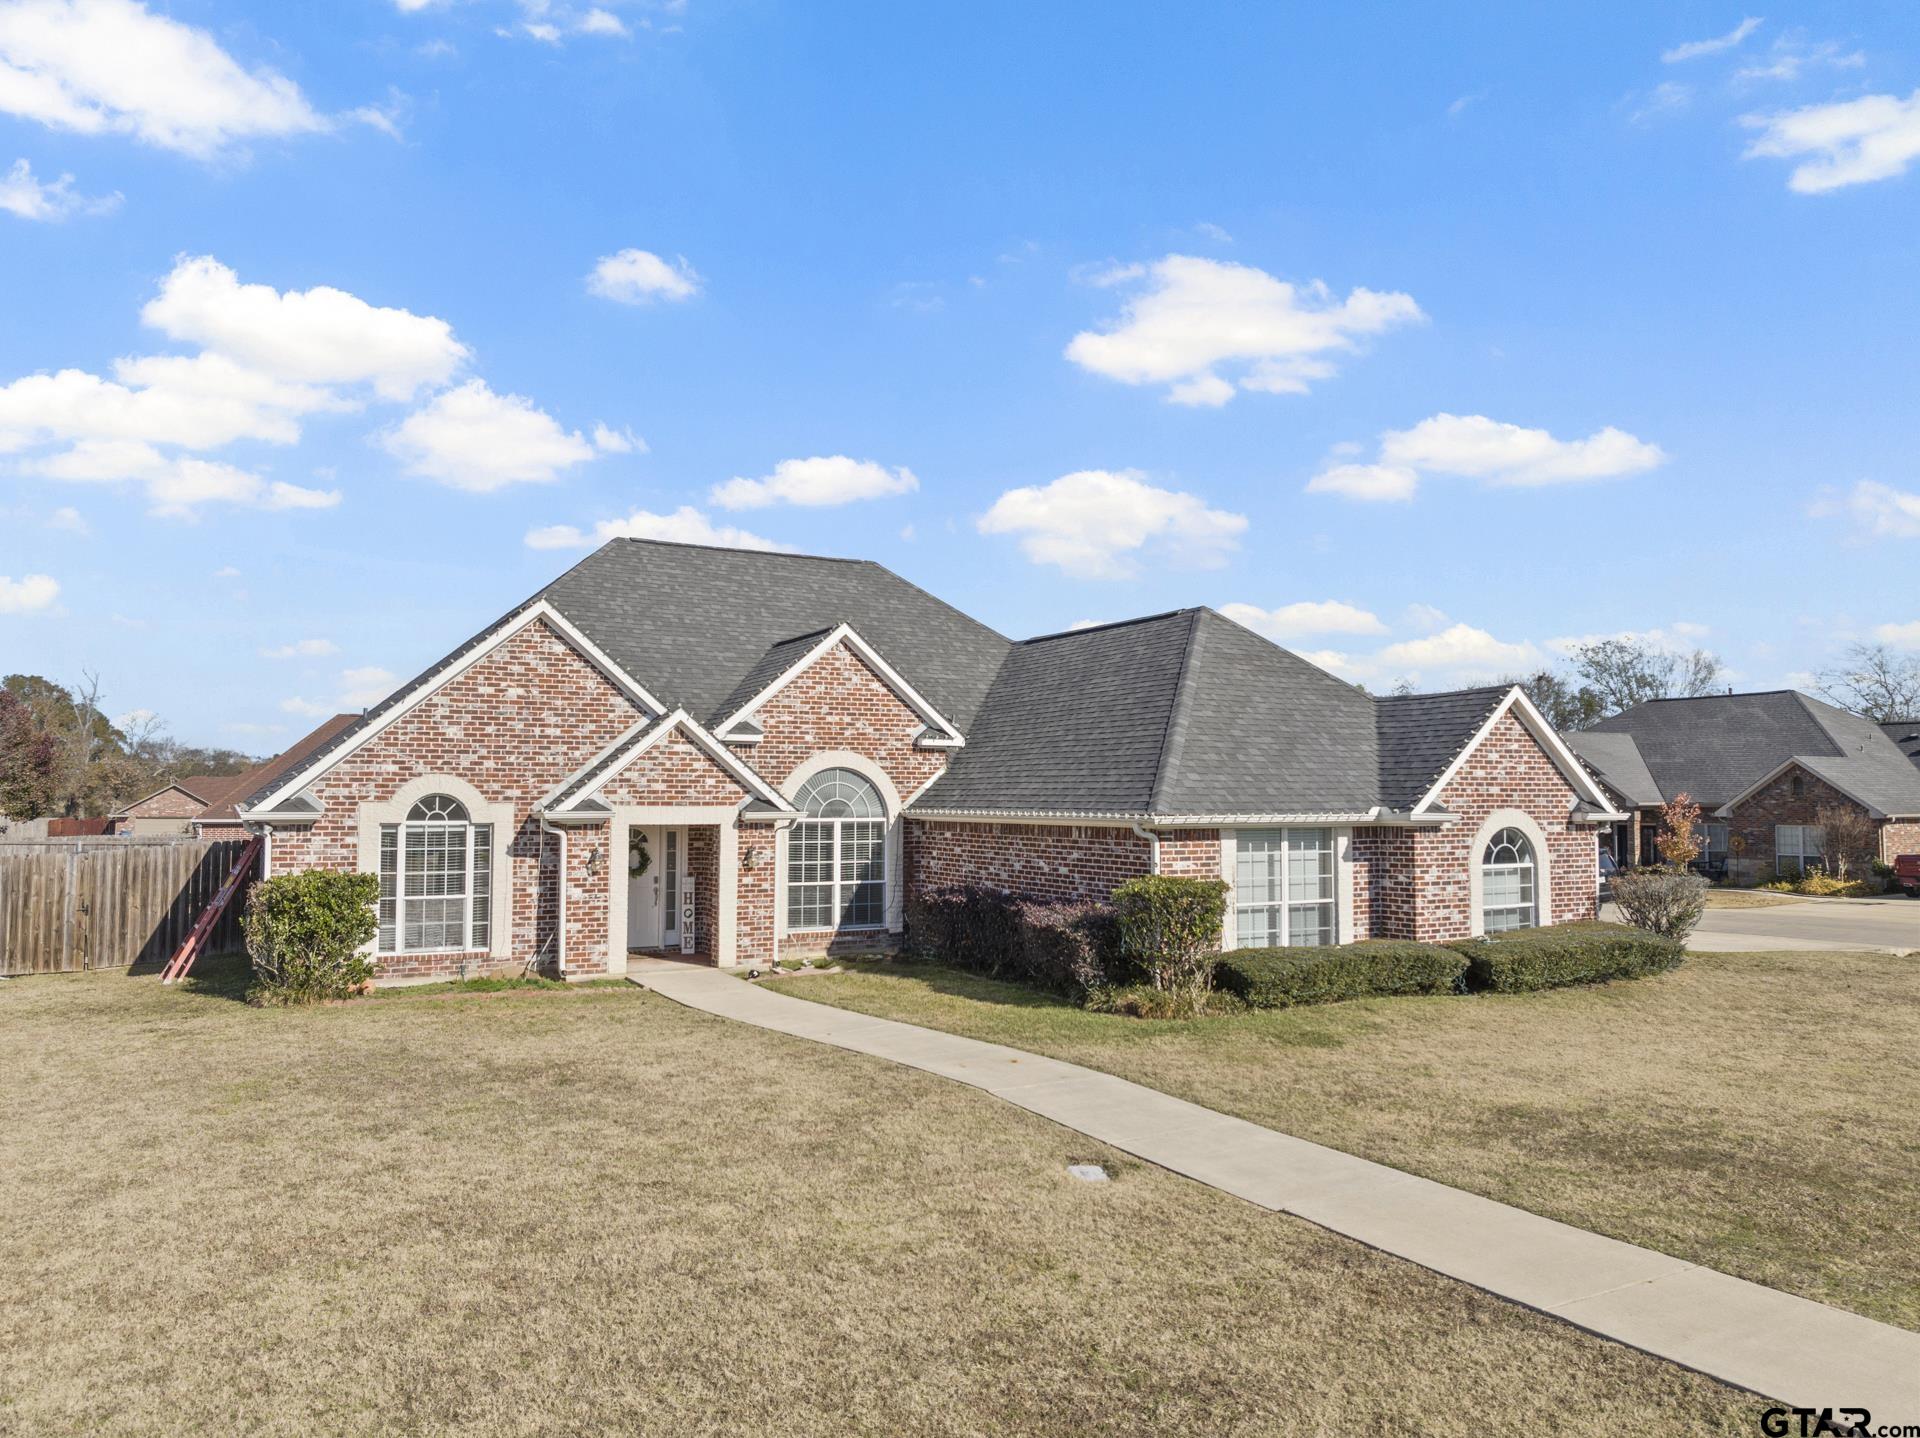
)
(1798, 847)
(837, 855)
(1283, 888)
(1508, 884)
(436, 880)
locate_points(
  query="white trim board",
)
(945, 737)
(408, 700)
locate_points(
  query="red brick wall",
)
(1751, 824)
(587, 895)
(839, 703)
(1190, 853)
(1897, 839)
(167, 804)
(1509, 770)
(753, 944)
(674, 771)
(1043, 861)
(512, 726)
(1384, 891)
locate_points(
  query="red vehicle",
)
(1906, 874)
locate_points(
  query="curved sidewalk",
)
(1787, 1348)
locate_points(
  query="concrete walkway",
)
(1786, 1348)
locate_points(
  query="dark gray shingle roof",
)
(1905, 734)
(1715, 747)
(779, 658)
(1191, 714)
(1616, 758)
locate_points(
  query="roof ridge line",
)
(1176, 711)
(1110, 624)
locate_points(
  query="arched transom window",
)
(436, 880)
(1508, 891)
(837, 854)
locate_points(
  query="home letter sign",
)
(688, 938)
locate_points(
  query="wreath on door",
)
(639, 860)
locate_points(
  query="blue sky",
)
(1430, 337)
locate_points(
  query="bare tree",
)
(1849, 839)
(1567, 706)
(1874, 683)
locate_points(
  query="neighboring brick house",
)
(202, 805)
(744, 756)
(1761, 767)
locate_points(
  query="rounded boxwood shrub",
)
(1170, 933)
(1284, 978)
(1524, 960)
(305, 932)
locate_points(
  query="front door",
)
(656, 858)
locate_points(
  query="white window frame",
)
(837, 885)
(1331, 874)
(1797, 851)
(1709, 832)
(1528, 867)
(476, 837)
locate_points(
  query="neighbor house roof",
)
(266, 773)
(695, 624)
(1616, 759)
(1719, 747)
(1905, 734)
(1189, 714)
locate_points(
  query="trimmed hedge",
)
(1285, 978)
(1523, 960)
(1068, 947)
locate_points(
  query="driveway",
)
(1835, 924)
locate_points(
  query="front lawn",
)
(567, 1212)
(1759, 1113)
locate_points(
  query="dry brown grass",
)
(1747, 899)
(1759, 1113)
(593, 1212)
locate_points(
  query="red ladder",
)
(178, 965)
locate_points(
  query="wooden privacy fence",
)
(106, 903)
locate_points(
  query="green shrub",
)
(1667, 902)
(304, 934)
(1284, 978)
(1069, 947)
(1170, 932)
(1523, 960)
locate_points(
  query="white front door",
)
(656, 858)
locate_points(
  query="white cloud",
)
(1901, 636)
(70, 519)
(1425, 617)
(471, 438)
(1694, 49)
(1206, 229)
(1460, 650)
(317, 336)
(1475, 447)
(1198, 315)
(1292, 621)
(111, 66)
(23, 195)
(608, 440)
(1850, 142)
(1667, 98)
(1094, 523)
(1791, 55)
(201, 402)
(600, 22)
(226, 571)
(686, 525)
(638, 277)
(1878, 510)
(822, 480)
(1677, 637)
(362, 687)
(175, 484)
(28, 593)
(1374, 482)
(301, 649)
(541, 30)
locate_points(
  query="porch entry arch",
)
(818, 862)
(1511, 847)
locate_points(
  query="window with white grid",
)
(1798, 847)
(1507, 883)
(436, 880)
(1283, 888)
(837, 855)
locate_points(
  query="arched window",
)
(1507, 893)
(436, 880)
(837, 854)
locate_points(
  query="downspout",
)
(560, 893)
(1153, 848)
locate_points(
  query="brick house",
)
(744, 756)
(1761, 767)
(202, 805)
